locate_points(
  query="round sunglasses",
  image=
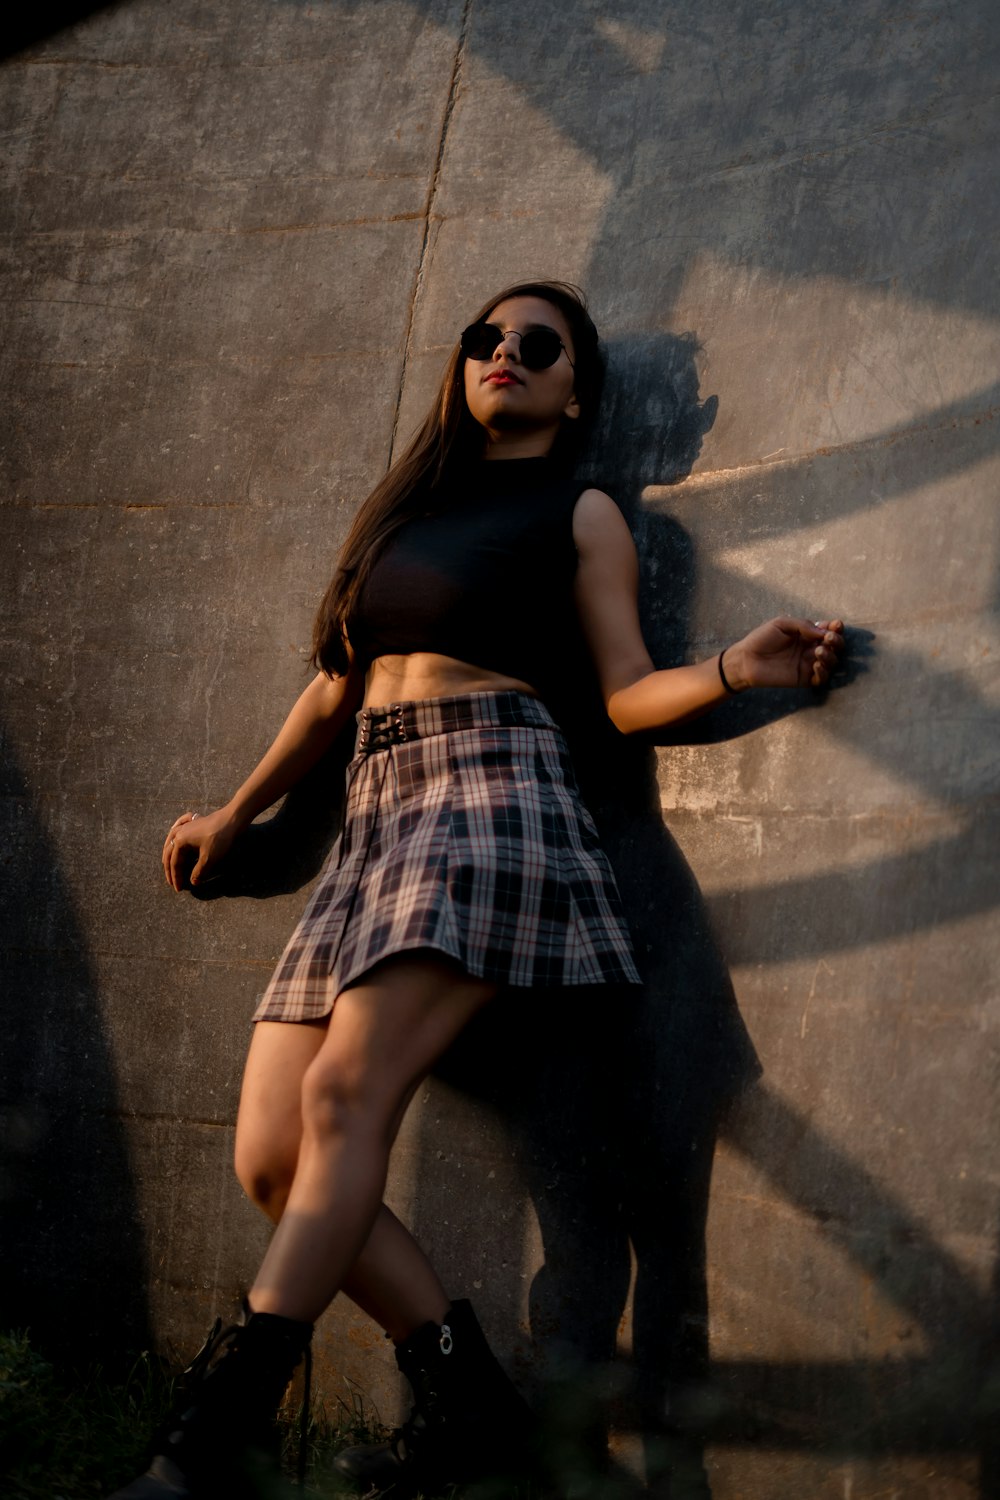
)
(538, 350)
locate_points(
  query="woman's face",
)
(522, 410)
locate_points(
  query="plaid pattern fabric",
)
(463, 833)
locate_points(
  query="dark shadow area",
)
(74, 1267)
(286, 851)
(936, 1400)
(889, 898)
(30, 25)
(987, 1400)
(653, 420)
(613, 1133)
(611, 1101)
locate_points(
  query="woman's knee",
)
(339, 1099)
(265, 1170)
(269, 1123)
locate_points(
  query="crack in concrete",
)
(453, 87)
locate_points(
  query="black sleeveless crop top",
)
(486, 576)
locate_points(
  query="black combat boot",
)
(468, 1421)
(220, 1442)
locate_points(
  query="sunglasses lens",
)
(480, 339)
(540, 348)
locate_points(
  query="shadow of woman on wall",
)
(612, 1101)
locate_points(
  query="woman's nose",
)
(507, 347)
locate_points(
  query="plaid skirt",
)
(464, 834)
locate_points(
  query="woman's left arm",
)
(781, 653)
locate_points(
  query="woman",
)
(466, 863)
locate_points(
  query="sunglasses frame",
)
(546, 333)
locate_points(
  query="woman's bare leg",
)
(392, 1280)
(269, 1122)
(383, 1036)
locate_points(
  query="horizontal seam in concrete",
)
(72, 302)
(175, 960)
(158, 179)
(156, 1117)
(412, 216)
(185, 66)
(928, 818)
(950, 612)
(325, 226)
(229, 230)
(862, 445)
(17, 502)
(781, 817)
(223, 363)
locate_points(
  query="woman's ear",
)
(572, 407)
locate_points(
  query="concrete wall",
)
(239, 240)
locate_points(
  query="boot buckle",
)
(445, 1342)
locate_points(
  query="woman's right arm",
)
(197, 842)
(639, 699)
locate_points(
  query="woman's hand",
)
(785, 653)
(196, 843)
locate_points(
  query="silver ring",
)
(172, 843)
(193, 816)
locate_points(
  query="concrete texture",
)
(238, 241)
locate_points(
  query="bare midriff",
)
(400, 679)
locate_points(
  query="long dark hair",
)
(447, 438)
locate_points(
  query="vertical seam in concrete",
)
(456, 75)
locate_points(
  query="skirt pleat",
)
(464, 835)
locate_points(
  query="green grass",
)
(80, 1434)
(62, 1437)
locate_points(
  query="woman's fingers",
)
(820, 669)
(166, 854)
(172, 862)
(787, 652)
(174, 845)
(826, 654)
(170, 842)
(195, 844)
